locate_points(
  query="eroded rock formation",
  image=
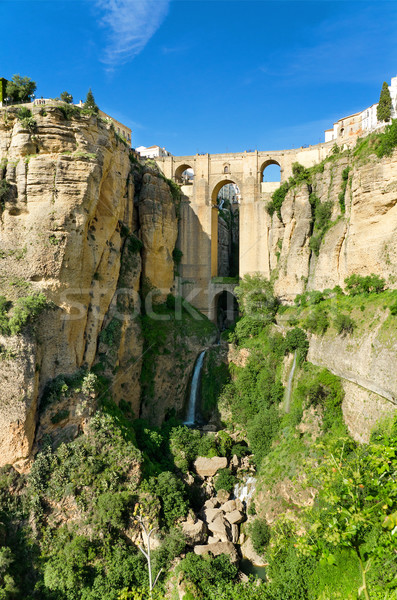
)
(75, 213)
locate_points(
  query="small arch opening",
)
(270, 172)
(226, 310)
(184, 175)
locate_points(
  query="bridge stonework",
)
(198, 231)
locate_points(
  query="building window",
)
(226, 169)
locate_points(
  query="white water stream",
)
(194, 390)
(245, 490)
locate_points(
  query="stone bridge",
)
(198, 237)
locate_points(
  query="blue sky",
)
(207, 76)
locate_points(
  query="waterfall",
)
(245, 490)
(194, 389)
(289, 384)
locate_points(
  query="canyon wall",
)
(363, 240)
(84, 224)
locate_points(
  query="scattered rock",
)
(208, 467)
(210, 514)
(248, 552)
(235, 517)
(223, 496)
(217, 549)
(195, 533)
(229, 506)
(235, 534)
(221, 528)
(211, 503)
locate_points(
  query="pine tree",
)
(90, 103)
(383, 111)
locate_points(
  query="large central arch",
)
(215, 226)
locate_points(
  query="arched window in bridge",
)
(270, 172)
(184, 175)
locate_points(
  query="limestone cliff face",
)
(65, 230)
(362, 241)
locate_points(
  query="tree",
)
(383, 111)
(356, 507)
(66, 97)
(20, 89)
(90, 103)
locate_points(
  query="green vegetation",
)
(357, 284)
(381, 144)
(225, 480)
(342, 193)
(383, 110)
(26, 118)
(66, 97)
(20, 89)
(164, 328)
(215, 375)
(259, 532)
(14, 317)
(299, 175)
(69, 111)
(322, 222)
(5, 188)
(90, 106)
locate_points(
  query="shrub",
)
(344, 324)
(357, 284)
(388, 140)
(296, 339)
(69, 111)
(393, 309)
(204, 571)
(262, 430)
(23, 113)
(25, 311)
(225, 480)
(172, 495)
(177, 255)
(61, 415)
(255, 297)
(259, 532)
(317, 322)
(323, 214)
(277, 200)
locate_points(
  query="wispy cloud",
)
(130, 24)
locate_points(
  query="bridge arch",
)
(181, 176)
(220, 184)
(225, 230)
(224, 309)
(274, 173)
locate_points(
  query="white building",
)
(362, 122)
(152, 151)
(230, 192)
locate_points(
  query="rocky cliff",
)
(362, 239)
(312, 248)
(84, 224)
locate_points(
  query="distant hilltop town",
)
(362, 122)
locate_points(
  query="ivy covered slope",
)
(325, 507)
(81, 221)
(337, 219)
